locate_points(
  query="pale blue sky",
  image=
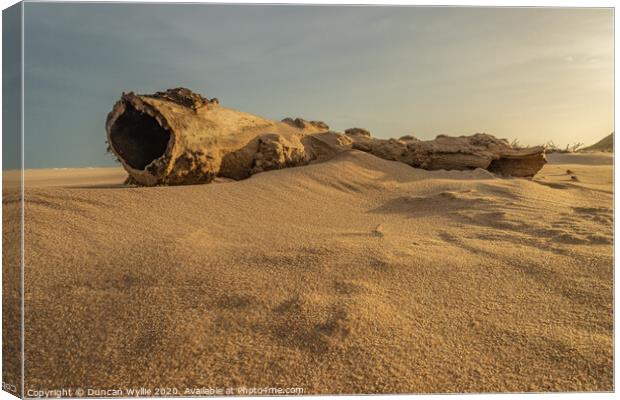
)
(533, 74)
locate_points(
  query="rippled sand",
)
(358, 275)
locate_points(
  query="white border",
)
(476, 3)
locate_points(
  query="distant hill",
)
(606, 144)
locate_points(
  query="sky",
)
(534, 74)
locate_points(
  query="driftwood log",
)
(179, 137)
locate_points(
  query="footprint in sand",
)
(310, 324)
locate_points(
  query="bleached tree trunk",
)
(179, 137)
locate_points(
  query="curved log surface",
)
(179, 137)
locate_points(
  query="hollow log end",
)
(140, 138)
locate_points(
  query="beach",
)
(356, 275)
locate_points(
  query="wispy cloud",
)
(539, 74)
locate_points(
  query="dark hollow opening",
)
(137, 138)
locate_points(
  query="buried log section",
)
(179, 137)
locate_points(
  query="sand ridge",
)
(358, 275)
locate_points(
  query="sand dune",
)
(357, 275)
(605, 144)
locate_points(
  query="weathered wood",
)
(180, 137)
(445, 152)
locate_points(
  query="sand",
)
(358, 275)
